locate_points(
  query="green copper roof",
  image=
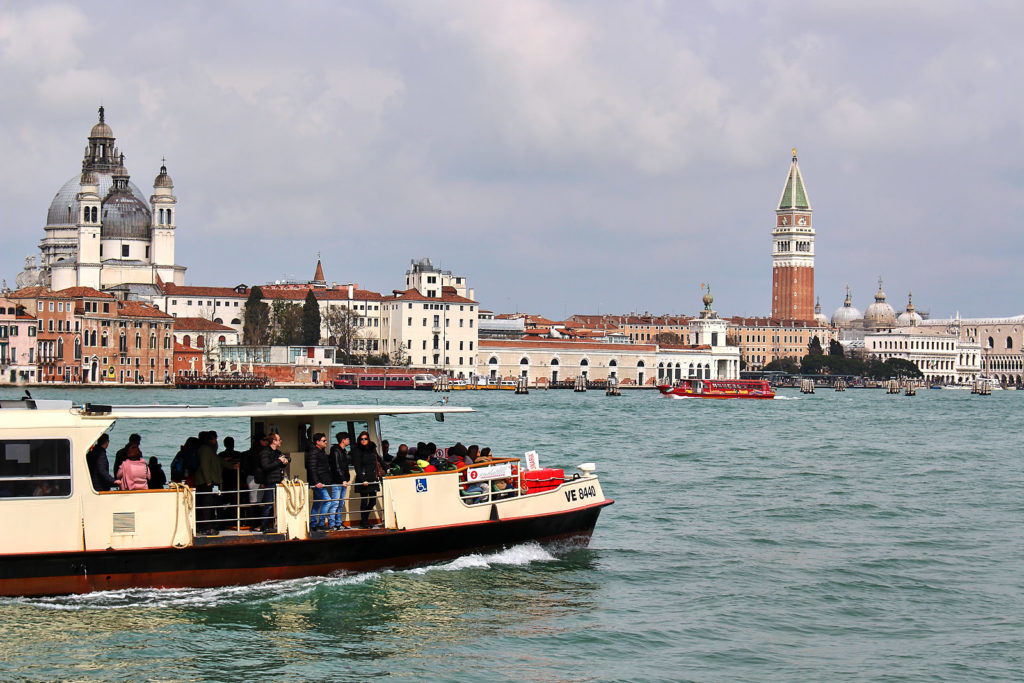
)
(794, 196)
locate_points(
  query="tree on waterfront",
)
(667, 338)
(901, 368)
(310, 320)
(814, 348)
(784, 364)
(342, 331)
(285, 323)
(399, 356)
(835, 348)
(255, 319)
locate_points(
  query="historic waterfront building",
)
(433, 322)
(938, 353)
(102, 231)
(793, 252)
(1000, 343)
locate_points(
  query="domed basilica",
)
(101, 231)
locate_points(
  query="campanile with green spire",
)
(793, 251)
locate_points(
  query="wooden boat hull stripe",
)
(246, 560)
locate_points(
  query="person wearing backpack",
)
(157, 478)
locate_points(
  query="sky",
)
(565, 157)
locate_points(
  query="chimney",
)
(351, 291)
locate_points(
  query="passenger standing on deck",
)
(157, 477)
(133, 475)
(133, 440)
(318, 474)
(208, 475)
(272, 464)
(99, 465)
(364, 460)
(338, 461)
(249, 466)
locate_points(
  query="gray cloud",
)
(564, 156)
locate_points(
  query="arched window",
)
(584, 363)
(169, 217)
(613, 363)
(493, 361)
(152, 341)
(78, 348)
(186, 340)
(236, 321)
(222, 339)
(200, 341)
(991, 343)
(1009, 342)
(138, 340)
(524, 361)
(123, 346)
(60, 347)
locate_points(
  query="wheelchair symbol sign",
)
(421, 485)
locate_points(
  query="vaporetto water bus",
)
(59, 536)
(718, 388)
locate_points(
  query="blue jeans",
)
(335, 507)
(267, 494)
(320, 501)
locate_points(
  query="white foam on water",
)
(519, 555)
(786, 398)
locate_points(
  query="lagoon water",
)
(836, 536)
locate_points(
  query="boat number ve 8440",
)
(581, 493)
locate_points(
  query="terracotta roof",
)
(77, 292)
(413, 295)
(187, 290)
(339, 294)
(200, 325)
(30, 293)
(137, 309)
(567, 344)
(180, 348)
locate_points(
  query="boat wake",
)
(520, 555)
(786, 398)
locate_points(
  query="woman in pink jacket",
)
(134, 472)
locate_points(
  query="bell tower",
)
(793, 251)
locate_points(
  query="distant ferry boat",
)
(351, 380)
(718, 388)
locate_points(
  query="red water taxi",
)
(718, 388)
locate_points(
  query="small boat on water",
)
(225, 381)
(58, 535)
(718, 388)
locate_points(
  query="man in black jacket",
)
(99, 465)
(272, 464)
(338, 461)
(318, 474)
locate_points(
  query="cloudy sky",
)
(566, 157)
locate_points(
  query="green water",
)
(837, 536)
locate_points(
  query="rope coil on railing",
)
(182, 494)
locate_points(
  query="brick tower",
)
(793, 252)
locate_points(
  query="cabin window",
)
(35, 468)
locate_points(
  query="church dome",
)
(101, 130)
(125, 216)
(846, 315)
(65, 209)
(909, 317)
(163, 180)
(879, 314)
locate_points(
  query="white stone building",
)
(434, 320)
(102, 231)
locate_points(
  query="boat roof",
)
(274, 408)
